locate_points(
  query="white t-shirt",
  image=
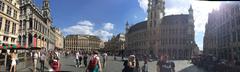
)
(105, 55)
(77, 55)
(35, 55)
(42, 57)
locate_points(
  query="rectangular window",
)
(0, 23)
(5, 38)
(7, 25)
(13, 40)
(238, 35)
(234, 36)
(15, 14)
(2, 6)
(9, 10)
(14, 28)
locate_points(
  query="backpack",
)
(92, 63)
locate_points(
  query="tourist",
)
(104, 59)
(130, 64)
(35, 58)
(77, 59)
(14, 62)
(9, 60)
(85, 60)
(164, 65)
(42, 61)
(94, 63)
(55, 64)
(80, 57)
(145, 66)
(137, 68)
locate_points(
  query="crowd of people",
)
(163, 64)
(214, 64)
(92, 62)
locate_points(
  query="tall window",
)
(238, 35)
(234, 36)
(1, 6)
(15, 14)
(13, 40)
(7, 25)
(0, 23)
(5, 38)
(9, 10)
(14, 28)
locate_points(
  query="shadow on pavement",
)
(192, 68)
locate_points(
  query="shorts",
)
(13, 62)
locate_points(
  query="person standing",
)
(80, 59)
(77, 59)
(145, 66)
(35, 58)
(137, 68)
(42, 61)
(94, 63)
(14, 62)
(130, 64)
(164, 65)
(85, 60)
(55, 64)
(104, 59)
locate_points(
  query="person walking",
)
(130, 64)
(164, 65)
(77, 59)
(14, 62)
(94, 63)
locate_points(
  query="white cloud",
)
(82, 27)
(135, 17)
(104, 35)
(108, 26)
(86, 23)
(146, 18)
(143, 4)
(87, 28)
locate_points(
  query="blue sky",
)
(105, 18)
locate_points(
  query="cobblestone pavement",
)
(68, 64)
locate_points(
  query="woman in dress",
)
(13, 64)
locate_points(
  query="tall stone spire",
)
(127, 27)
(190, 11)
